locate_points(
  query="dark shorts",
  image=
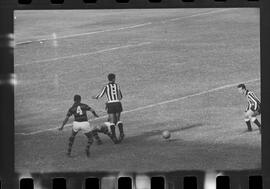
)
(114, 107)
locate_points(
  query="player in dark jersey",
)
(80, 123)
(113, 105)
(253, 109)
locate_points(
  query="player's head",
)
(111, 77)
(77, 98)
(242, 88)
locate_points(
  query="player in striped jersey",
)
(113, 105)
(253, 109)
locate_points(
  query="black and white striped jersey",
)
(112, 91)
(253, 101)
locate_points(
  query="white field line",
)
(106, 50)
(153, 105)
(50, 60)
(83, 34)
(199, 14)
(122, 28)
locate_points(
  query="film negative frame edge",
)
(8, 176)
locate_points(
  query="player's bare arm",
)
(93, 112)
(120, 94)
(64, 123)
(99, 95)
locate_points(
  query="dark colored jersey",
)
(112, 91)
(253, 102)
(79, 112)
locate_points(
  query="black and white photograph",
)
(137, 90)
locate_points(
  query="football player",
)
(80, 123)
(113, 106)
(253, 109)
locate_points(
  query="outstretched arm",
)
(100, 94)
(94, 113)
(88, 108)
(64, 123)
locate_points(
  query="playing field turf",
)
(177, 68)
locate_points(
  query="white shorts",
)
(84, 126)
(105, 125)
(108, 125)
(251, 113)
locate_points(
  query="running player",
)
(80, 123)
(113, 106)
(253, 109)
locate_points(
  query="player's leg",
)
(120, 126)
(112, 126)
(247, 119)
(87, 129)
(90, 141)
(71, 141)
(255, 120)
(96, 137)
(111, 114)
(114, 119)
(119, 123)
(117, 116)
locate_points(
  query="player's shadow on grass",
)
(158, 132)
(253, 130)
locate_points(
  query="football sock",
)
(89, 143)
(255, 120)
(248, 125)
(96, 137)
(71, 141)
(112, 127)
(121, 130)
(257, 123)
(120, 126)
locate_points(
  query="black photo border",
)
(8, 177)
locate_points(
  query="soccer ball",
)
(166, 134)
